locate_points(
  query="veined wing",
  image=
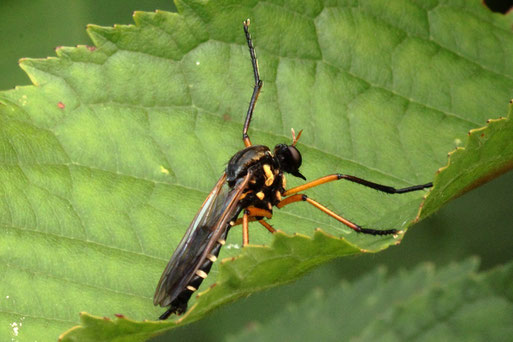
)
(209, 224)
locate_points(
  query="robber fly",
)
(252, 184)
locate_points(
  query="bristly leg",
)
(257, 86)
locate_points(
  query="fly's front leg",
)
(338, 176)
(354, 226)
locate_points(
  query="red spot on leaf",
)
(61, 105)
(91, 48)
(119, 315)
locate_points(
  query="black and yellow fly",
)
(252, 184)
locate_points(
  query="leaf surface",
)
(105, 160)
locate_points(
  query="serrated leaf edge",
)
(471, 137)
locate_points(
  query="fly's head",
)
(288, 156)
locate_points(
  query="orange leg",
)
(252, 219)
(245, 228)
(338, 176)
(246, 140)
(239, 221)
(257, 212)
(250, 214)
(267, 226)
(354, 226)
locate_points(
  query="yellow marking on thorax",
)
(260, 195)
(283, 181)
(244, 194)
(278, 195)
(269, 177)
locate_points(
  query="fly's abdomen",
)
(179, 304)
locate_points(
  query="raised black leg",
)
(257, 87)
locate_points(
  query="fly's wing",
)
(208, 225)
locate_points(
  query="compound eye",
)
(295, 156)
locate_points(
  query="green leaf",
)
(106, 159)
(453, 303)
(488, 153)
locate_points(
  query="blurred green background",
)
(478, 224)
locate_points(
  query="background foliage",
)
(477, 224)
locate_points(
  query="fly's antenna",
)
(294, 137)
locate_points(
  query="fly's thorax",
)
(265, 188)
(241, 161)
